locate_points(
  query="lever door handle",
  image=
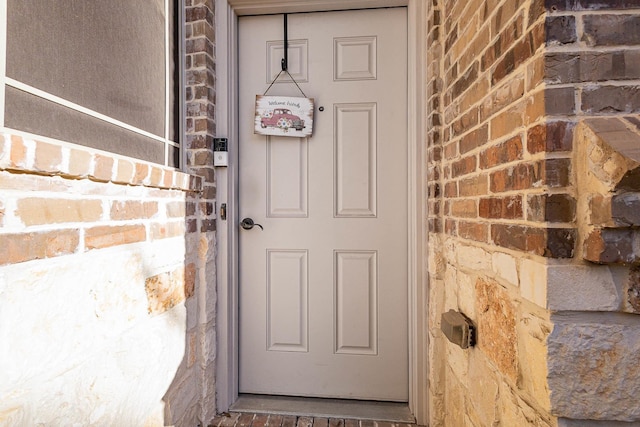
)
(248, 224)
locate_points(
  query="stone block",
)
(165, 290)
(505, 267)
(582, 288)
(472, 258)
(450, 289)
(466, 295)
(533, 281)
(483, 390)
(454, 401)
(593, 367)
(515, 411)
(533, 331)
(497, 336)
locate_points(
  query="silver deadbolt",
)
(248, 224)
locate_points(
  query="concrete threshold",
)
(324, 408)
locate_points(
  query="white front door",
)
(323, 288)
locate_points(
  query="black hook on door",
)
(285, 61)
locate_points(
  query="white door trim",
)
(227, 12)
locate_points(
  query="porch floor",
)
(249, 419)
(281, 411)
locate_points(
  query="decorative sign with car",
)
(284, 116)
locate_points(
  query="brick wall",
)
(512, 85)
(98, 274)
(193, 389)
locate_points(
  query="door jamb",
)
(226, 13)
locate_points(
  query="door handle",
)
(248, 224)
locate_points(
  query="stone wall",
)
(513, 85)
(99, 278)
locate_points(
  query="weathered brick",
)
(509, 207)
(156, 176)
(474, 139)
(625, 209)
(107, 236)
(518, 237)
(555, 172)
(176, 209)
(562, 5)
(465, 208)
(463, 166)
(518, 177)
(133, 209)
(506, 122)
(207, 225)
(515, 57)
(193, 14)
(451, 189)
(509, 92)
(473, 231)
(611, 99)
(506, 152)
(473, 186)
(21, 247)
(611, 30)
(465, 122)
(80, 162)
(463, 83)
(102, 168)
(141, 173)
(563, 67)
(124, 171)
(39, 211)
(166, 230)
(560, 101)
(561, 29)
(554, 136)
(48, 157)
(561, 243)
(18, 155)
(551, 208)
(612, 245)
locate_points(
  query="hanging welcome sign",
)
(284, 116)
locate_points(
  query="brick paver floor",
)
(236, 419)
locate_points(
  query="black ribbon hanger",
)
(284, 63)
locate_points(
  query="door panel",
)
(323, 288)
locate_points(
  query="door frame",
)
(226, 16)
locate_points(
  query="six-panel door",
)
(323, 288)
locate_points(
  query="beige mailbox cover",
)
(284, 116)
